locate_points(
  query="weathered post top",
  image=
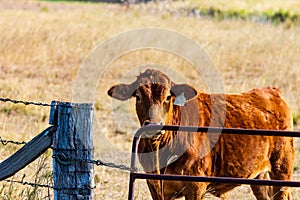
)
(73, 151)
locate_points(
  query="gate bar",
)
(171, 177)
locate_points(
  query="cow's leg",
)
(282, 161)
(153, 185)
(194, 196)
(224, 196)
(262, 192)
(195, 191)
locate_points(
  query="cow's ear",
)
(121, 92)
(184, 89)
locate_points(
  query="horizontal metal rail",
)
(217, 130)
(171, 177)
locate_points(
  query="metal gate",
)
(135, 175)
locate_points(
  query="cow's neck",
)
(183, 145)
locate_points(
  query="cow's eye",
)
(138, 98)
(169, 98)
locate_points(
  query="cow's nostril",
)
(147, 122)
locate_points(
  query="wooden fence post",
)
(73, 152)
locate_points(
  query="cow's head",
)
(155, 96)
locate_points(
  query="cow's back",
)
(258, 109)
(247, 156)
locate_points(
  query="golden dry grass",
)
(42, 46)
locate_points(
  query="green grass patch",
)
(273, 16)
(15, 110)
(275, 12)
(296, 118)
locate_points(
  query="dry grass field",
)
(44, 44)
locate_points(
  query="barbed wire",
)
(66, 161)
(112, 165)
(24, 102)
(29, 183)
(5, 142)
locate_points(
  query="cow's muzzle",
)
(153, 133)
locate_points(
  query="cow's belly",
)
(242, 156)
(218, 189)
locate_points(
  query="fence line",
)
(34, 148)
(65, 160)
(97, 162)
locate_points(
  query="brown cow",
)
(241, 156)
